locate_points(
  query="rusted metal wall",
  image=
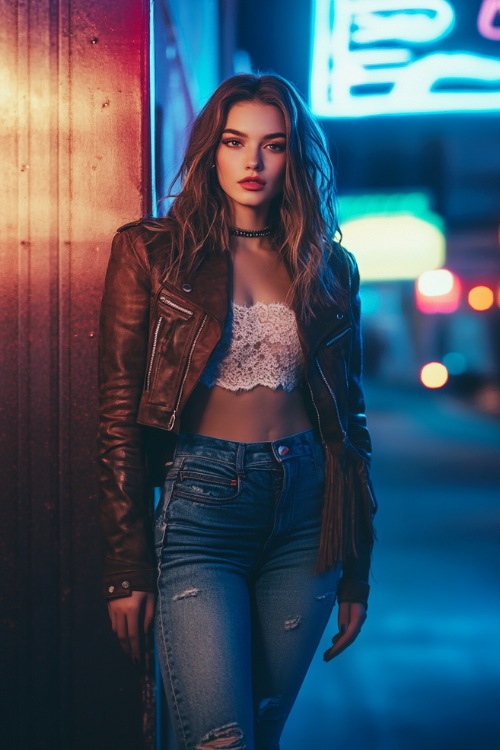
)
(74, 145)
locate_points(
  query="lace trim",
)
(259, 346)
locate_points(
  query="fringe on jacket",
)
(348, 509)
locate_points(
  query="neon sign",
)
(373, 227)
(388, 57)
(488, 15)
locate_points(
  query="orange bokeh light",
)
(481, 298)
(434, 375)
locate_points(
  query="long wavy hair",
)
(303, 217)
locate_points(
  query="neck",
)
(249, 218)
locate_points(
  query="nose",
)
(255, 161)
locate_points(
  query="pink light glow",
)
(438, 292)
(488, 14)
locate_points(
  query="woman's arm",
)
(123, 340)
(354, 585)
(357, 429)
(124, 503)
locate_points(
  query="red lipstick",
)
(252, 183)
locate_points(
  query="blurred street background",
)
(425, 671)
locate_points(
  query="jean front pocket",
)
(207, 480)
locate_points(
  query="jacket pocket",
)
(167, 303)
(339, 339)
(167, 314)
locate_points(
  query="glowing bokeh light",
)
(434, 375)
(393, 247)
(393, 235)
(481, 298)
(438, 292)
(435, 283)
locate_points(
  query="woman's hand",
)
(131, 617)
(351, 618)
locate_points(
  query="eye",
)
(279, 147)
(231, 142)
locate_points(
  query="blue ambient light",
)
(389, 57)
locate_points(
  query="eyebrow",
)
(244, 135)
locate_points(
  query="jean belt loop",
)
(311, 440)
(240, 459)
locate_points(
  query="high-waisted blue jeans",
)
(240, 612)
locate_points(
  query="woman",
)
(230, 352)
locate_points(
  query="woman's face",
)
(251, 158)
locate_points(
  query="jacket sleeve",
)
(123, 338)
(357, 426)
(354, 583)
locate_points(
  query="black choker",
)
(250, 232)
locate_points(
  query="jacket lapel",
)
(327, 323)
(207, 284)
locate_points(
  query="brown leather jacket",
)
(155, 340)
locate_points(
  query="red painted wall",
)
(75, 139)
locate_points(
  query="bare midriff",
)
(258, 415)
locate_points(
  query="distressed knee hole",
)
(228, 737)
(292, 623)
(185, 594)
(322, 597)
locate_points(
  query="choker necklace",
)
(250, 232)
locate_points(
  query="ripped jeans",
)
(240, 613)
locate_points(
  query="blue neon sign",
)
(388, 57)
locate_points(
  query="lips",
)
(252, 183)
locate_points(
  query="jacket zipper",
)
(153, 352)
(317, 413)
(332, 395)
(338, 336)
(173, 417)
(329, 343)
(167, 301)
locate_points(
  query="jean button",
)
(283, 450)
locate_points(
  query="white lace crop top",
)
(259, 346)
